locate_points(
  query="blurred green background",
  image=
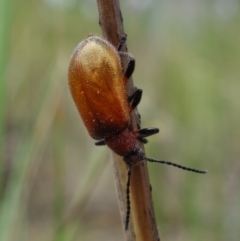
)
(56, 185)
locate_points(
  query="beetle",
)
(98, 87)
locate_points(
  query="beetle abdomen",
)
(97, 87)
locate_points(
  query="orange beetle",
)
(97, 84)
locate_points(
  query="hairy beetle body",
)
(97, 87)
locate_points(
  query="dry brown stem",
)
(142, 220)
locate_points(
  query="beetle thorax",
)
(125, 144)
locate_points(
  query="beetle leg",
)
(142, 133)
(143, 140)
(135, 99)
(131, 60)
(145, 132)
(122, 41)
(139, 121)
(100, 143)
(130, 65)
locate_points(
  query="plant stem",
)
(142, 220)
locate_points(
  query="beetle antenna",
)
(129, 173)
(176, 165)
